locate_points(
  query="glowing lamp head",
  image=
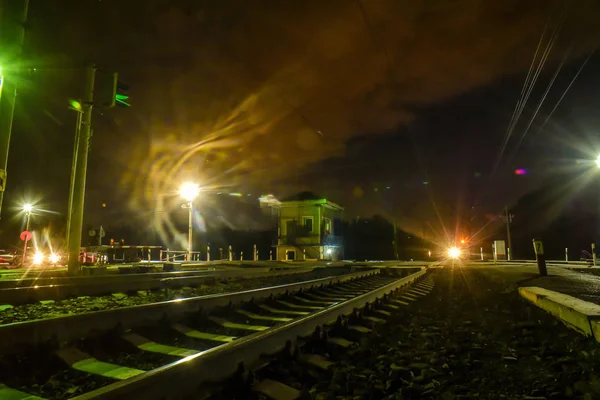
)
(189, 191)
(27, 207)
(54, 258)
(598, 162)
(454, 252)
(329, 251)
(38, 258)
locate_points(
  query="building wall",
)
(291, 213)
(311, 242)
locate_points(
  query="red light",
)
(520, 171)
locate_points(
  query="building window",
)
(308, 223)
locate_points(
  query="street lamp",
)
(189, 191)
(598, 162)
(27, 208)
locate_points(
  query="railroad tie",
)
(316, 361)
(333, 295)
(383, 312)
(407, 296)
(303, 300)
(341, 342)
(374, 319)
(327, 299)
(420, 290)
(292, 305)
(340, 290)
(147, 345)
(194, 334)
(8, 393)
(276, 390)
(233, 325)
(262, 317)
(359, 329)
(284, 312)
(84, 362)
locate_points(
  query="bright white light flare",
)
(454, 252)
(189, 191)
(54, 258)
(27, 207)
(38, 258)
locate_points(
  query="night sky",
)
(388, 107)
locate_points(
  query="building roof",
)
(303, 196)
(310, 198)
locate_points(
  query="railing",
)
(311, 240)
(179, 256)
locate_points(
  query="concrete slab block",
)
(573, 312)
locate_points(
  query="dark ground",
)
(472, 337)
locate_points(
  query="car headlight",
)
(38, 258)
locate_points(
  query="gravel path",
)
(51, 308)
(472, 337)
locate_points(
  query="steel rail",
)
(96, 287)
(108, 278)
(73, 327)
(186, 376)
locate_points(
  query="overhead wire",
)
(516, 111)
(534, 72)
(525, 86)
(541, 102)
(565, 92)
(547, 52)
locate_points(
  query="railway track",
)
(17, 292)
(171, 350)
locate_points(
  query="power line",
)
(530, 82)
(516, 112)
(539, 106)
(565, 92)
(538, 71)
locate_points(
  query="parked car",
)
(10, 259)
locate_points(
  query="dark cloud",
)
(246, 92)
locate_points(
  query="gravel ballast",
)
(472, 337)
(83, 304)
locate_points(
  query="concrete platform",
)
(580, 285)
(572, 297)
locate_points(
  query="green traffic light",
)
(120, 98)
(75, 105)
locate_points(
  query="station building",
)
(309, 228)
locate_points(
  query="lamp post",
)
(189, 191)
(27, 208)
